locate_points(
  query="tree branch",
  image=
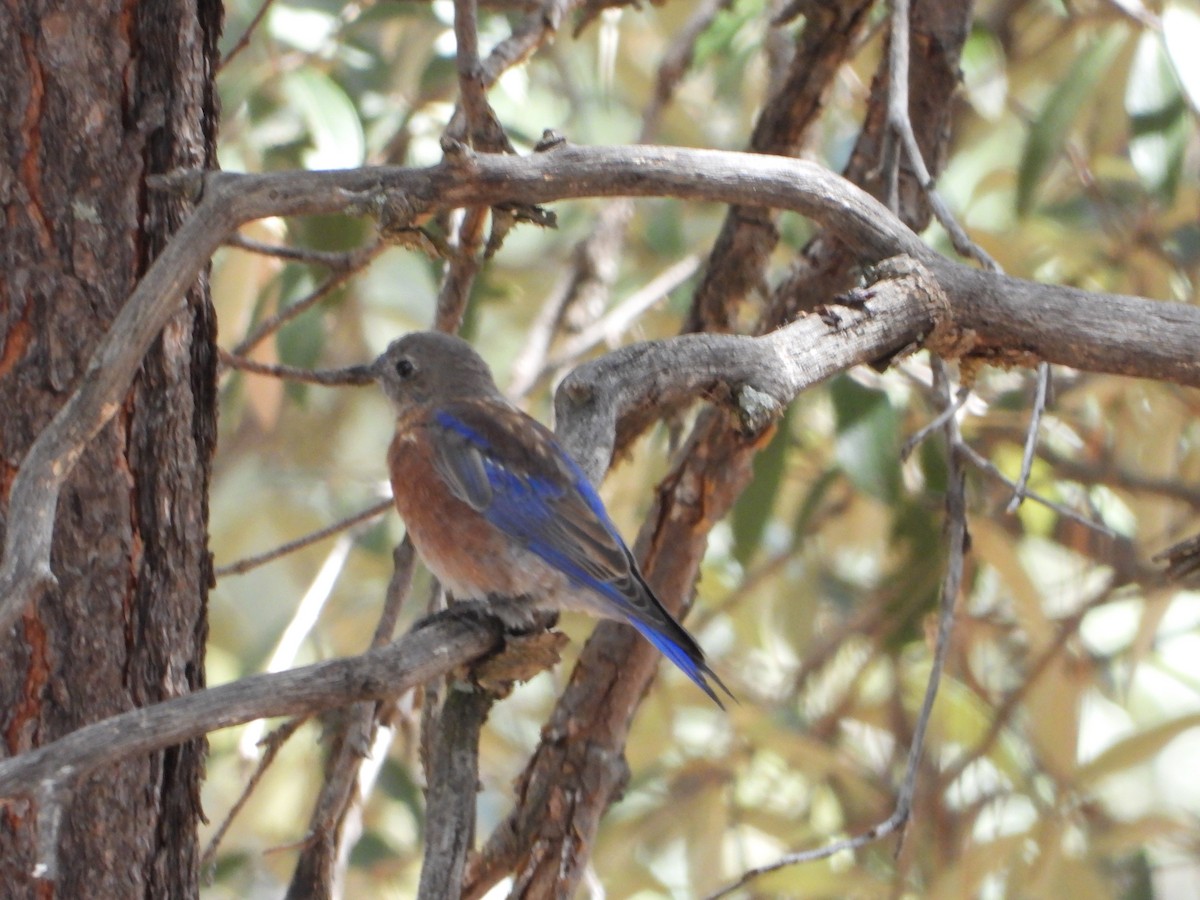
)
(453, 783)
(758, 376)
(1007, 319)
(317, 869)
(421, 654)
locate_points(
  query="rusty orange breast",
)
(468, 555)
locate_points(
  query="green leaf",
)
(302, 340)
(985, 75)
(334, 129)
(1156, 112)
(1045, 140)
(753, 509)
(812, 503)
(868, 447)
(1181, 34)
(1134, 750)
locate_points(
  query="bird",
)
(496, 507)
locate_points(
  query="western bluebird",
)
(496, 507)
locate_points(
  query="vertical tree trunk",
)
(94, 97)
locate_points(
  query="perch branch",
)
(1008, 319)
(424, 653)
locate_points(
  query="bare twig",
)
(403, 561)
(478, 123)
(461, 269)
(531, 360)
(317, 869)
(537, 28)
(1110, 333)
(253, 562)
(472, 92)
(956, 541)
(424, 653)
(272, 744)
(355, 262)
(351, 375)
(244, 41)
(336, 260)
(986, 465)
(937, 422)
(1031, 437)
(902, 127)
(608, 329)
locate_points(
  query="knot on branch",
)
(551, 140)
(946, 338)
(757, 410)
(398, 217)
(1182, 560)
(456, 154)
(525, 642)
(523, 656)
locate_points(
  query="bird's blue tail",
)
(688, 657)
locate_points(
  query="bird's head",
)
(431, 367)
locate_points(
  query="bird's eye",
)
(405, 367)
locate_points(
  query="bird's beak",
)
(360, 374)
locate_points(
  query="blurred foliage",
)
(1061, 749)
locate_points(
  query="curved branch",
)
(757, 375)
(413, 659)
(761, 374)
(1101, 332)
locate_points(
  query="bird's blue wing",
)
(510, 468)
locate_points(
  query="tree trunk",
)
(94, 97)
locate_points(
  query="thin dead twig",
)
(354, 263)
(986, 465)
(331, 259)
(272, 744)
(951, 585)
(253, 562)
(321, 860)
(244, 41)
(354, 376)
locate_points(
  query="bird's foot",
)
(517, 615)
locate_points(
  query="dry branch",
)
(978, 313)
(413, 659)
(1004, 318)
